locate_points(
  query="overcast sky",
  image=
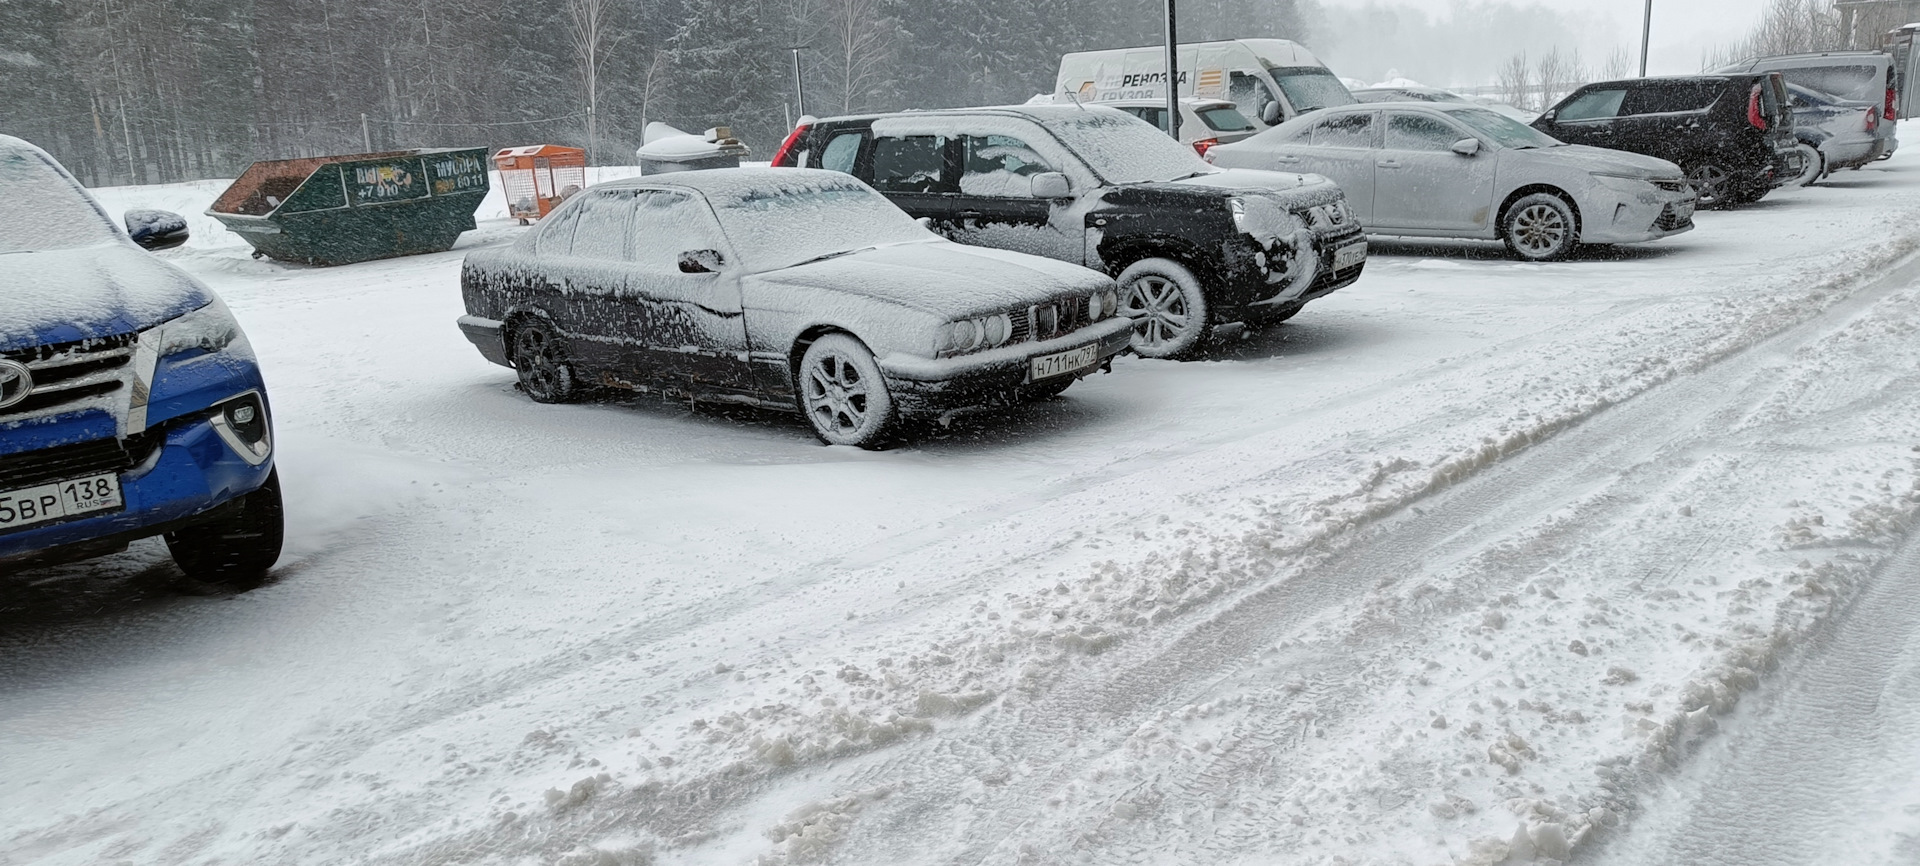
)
(1682, 29)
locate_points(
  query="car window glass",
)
(666, 224)
(1225, 119)
(1421, 132)
(1311, 87)
(1345, 130)
(912, 163)
(1670, 98)
(1000, 165)
(1865, 83)
(47, 212)
(1249, 92)
(840, 153)
(600, 229)
(1592, 105)
(556, 231)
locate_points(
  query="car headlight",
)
(208, 329)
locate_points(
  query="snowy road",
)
(1458, 565)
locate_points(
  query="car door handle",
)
(1388, 163)
(968, 214)
(1287, 160)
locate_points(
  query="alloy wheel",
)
(838, 397)
(1540, 229)
(1710, 183)
(1159, 310)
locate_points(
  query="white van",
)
(1271, 80)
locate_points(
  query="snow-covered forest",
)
(146, 91)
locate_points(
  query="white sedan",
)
(1452, 170)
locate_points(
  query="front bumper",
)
(931, 386)
(184, 468)
(1629, 211)
(1246, 269)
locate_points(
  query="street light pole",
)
(799, 94)
(1173, 76)
(1646, 37)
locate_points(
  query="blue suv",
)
(130, 402)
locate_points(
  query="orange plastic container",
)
(538, 177)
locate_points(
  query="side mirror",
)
(156, 229)
(1051, 184)
(1270, 113)
(1467, 146)
(1550, 115)
(700, 261)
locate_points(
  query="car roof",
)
(727, 181)
(1040, 112)
(1192, 101)
(1747, 64)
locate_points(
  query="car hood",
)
(1252, 179)
(1603, 160)
(943, 278)
(59, 296)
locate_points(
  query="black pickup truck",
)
(1192, 246)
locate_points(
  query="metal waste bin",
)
(335, 210)
(669, 150)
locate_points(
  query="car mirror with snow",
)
(1051, 184)
(1270, 113)
(156, 229)
(1467, 146)
(700, 261)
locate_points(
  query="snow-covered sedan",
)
(1453, 170)
(803, 290)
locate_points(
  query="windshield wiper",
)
(834, 255)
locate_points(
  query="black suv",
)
(1191, 245)
(1731, 134)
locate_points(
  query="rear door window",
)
(1592, 105)
(914, 163)
(841, 152)
(600, 230)
(1671, 98)
(1345, 130)
(556, 232)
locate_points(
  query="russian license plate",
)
(1062, 363)
(29, 506)
(1349, 255)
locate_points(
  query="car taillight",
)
(1891, 113)
(781, 157)
(1873, 119)
(1754, 116)
(1204, 145)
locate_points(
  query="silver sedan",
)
(1451, 170)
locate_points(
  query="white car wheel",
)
(1168, 309)
(1541, 228)
(1813, 165)
(843, 394)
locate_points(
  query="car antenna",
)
(1075, 99)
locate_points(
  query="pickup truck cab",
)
(1192, 246)
(130, 401)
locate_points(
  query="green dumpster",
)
(333, 210)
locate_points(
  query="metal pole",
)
(1173, 76)
(366, 138)
(1646, 37)
(799, 92)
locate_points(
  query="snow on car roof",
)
(734, 182)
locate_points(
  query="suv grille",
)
(1671, 185)
(79, 460)
(70, 372)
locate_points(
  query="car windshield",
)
(780, 224)
(44, 210)
(1311, 87)
(1121, 148)
(1504, 130)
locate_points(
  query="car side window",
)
(914, 163)
(1668, 98)
(1421, 132)
(1345, 130)
(556, 232)
(1592, 105)
(841, 152)
(667, 223)
(600, 229)
(1000, 165)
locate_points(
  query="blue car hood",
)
(63, 295)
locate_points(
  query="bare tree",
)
(586, 30)
(1516, 81)
(1552, 73)
(1619, 65)
(1786, 27)
(863, 37)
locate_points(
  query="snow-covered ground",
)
(1459, 566)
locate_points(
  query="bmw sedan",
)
(791, 289)
(1452, 170)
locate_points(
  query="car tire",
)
(1168, 308)
(1712, 183)
(842, 393)
(540, 358)
(1540, 228)
(236, 545)
(1815, 162)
